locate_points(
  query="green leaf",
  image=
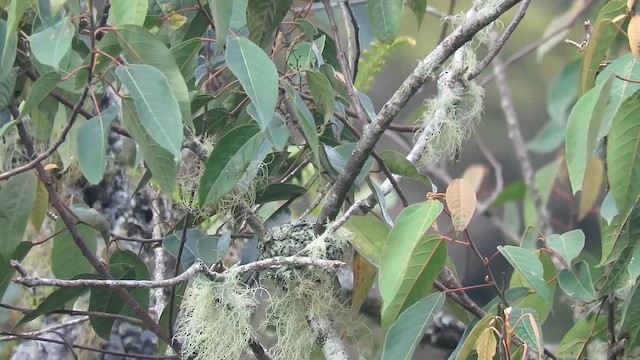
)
(322, 93)
(93, 218)
(161, 162)
(8, 47)
(186, 55)
(40, 89)
(227, 14)
(631, 315)
(582, 131)
(568, 245)
(277, 132)
(307, 122)
(399, 165)
(411, 260)
(627, 67)
(616, 273)
(385, 17)
(584, 331)
(616, 236)
(263, 17)
(419, 7)
(257, 74)
(623, 155)
(127, 12)
(92, 140)
(40, 206)
(339, 155)
(468, 342)
(228, 161)
(527, 263)
(67, 260)
(155, 104)
(602, 37)
(278, 191)
(52, 44)
(406, 333)
(7, 85)
(577, 282)
(633, 269)
(141, 47)
(368, 236)
(57, 300)
(534, 300)
(513, 192)
(374, 59)
(197, 245)
(527, 327)
(17, 197)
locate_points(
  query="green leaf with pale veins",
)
(160, 162)
(52, 44)
(582, 131)
(227, 15)
(228, 161)
(623, 155)
(8, 47)
(92, 140)
(411, 260)
(142, 47)
(263, 17)
(405, 334)
(568, 245)
(186, 55)
(155, 104)
(385, 17)
(257, 75)
(369, 236)
(40, 89)
(67, 260)
(399, 165)
(127, 12)
(307, 122)
(322, 93)
(527, 263)
(577, 282)
(17, 197)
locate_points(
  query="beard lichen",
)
(216, 319)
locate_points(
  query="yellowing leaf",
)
(461, 200)
(486, 344)
(591, 186)
(364, 273)
(475, 175)
(633, 31)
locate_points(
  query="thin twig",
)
(128, 319)
(63, 325)
(196, 268)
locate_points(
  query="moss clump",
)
(216, 320)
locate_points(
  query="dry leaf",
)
(475, 175)
(364, 274)
(591, 186)
(461, 200)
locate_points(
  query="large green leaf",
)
(322, 93)
(92, 140)
(406, 333)
(583, 332)
(257, 74)
(631, 315)
(67, 260)
(52, 44)
(307, 122)
(186, 55)
(385, 17)
(40, 89)
(369, 236)
(418, 7)
(399, 165)
(467, 344)
(568, 245)
(602, 37)
(17, 197)
(623, 155)
(228, 161)
(161, 162)
(8, 47)
(616, 235)
(141, 47)
(128, 12)
(155, 104)
(627, 67)
(279, 191)
(6, 269)
(527, 327)
(7, 85)
(534, 300)
(411, 260)
(263, 17)
(582, 131)
(527, 263)
(227, 15)
(577, 282)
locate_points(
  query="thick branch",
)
(372, 133)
